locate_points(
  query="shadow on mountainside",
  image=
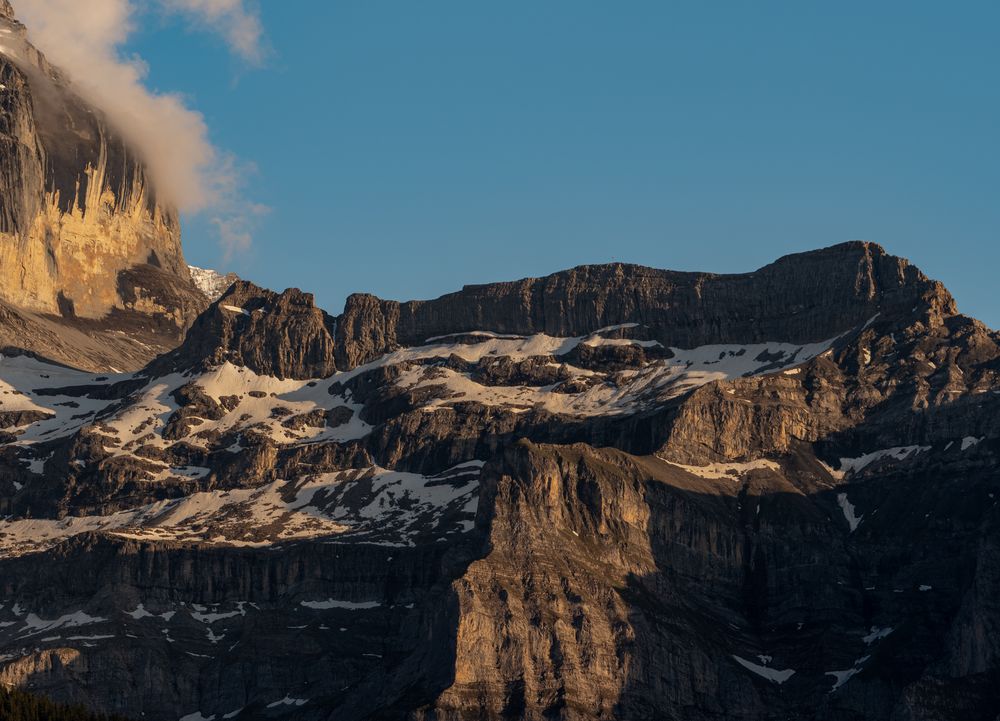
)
(617, 587)
(355, 631)
(609, 587)
(785, 585)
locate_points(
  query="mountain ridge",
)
(411, 511)
(681, 303)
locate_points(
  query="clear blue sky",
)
(408, 148)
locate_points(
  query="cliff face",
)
(615, 493)
(801, 298)
(82, 231)
(617, 587)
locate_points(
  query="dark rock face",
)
(672, 576)
(801, 298)
(615, 493)
(282, 335)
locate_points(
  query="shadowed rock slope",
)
(613, 493)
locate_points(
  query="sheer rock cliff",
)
(83, 232)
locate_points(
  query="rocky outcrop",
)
(557, 643)
(157, 309)
(283, 335)
(617, 587)
(874, 390)
(200, 620)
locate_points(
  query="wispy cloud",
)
(85, 40)
(232, 19)
(236, 228)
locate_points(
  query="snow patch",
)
(22, 379)
(897, 453)
(139, 613)
(91, 638)
(970, 441)
(212, 283)
(210, 618)
(385, 506)
(34, 624)
(877, 634)
(847, 507)
(771, 674)
(631, 391)
(346, 605)
(842, 677)
(728, 471)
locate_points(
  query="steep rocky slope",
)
(87, 248)
(613, 493)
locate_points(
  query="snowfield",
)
(376, 505)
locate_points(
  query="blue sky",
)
(406, 149)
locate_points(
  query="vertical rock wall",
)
(77, 206)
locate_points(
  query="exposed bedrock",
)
(350, 626)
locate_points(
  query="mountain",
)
(212, 283)
(614, 492)
(91, 268)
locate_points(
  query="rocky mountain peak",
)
(804, 298)
(277, 334)
(212, 283)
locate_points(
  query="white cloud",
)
(84, 39)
